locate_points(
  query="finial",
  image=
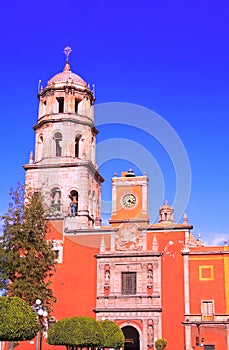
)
(31, 158)
(67, 52)
(199, 240)
(102, 245)
(185, 218)
(39, 86)
(93, 89)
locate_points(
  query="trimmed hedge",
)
(17, 320)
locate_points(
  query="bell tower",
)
(64, 166)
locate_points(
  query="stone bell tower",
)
(64, 167)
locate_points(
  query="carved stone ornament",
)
(150, 333)
(106, 276)
(129, 238)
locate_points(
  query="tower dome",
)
(67, 76)
(67, 93)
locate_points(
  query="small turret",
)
(166, 213)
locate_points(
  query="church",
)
(153, 279)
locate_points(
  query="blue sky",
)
(171, 57)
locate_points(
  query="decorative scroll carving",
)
(150, 333)
(149, 276)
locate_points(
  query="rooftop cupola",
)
(166, 213)
(130, 173)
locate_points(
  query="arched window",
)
(58, 144)
(44, 107)
(40, 147)
(76, 106)
(77, 141)
(60, 101)
(74, 202)
(55, 198)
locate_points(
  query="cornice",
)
(125, 254)
(80, 119)
(128, 309)
(79, 163)
(165, 228)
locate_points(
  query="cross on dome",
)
(67, 52)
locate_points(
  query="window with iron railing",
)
(129, 286)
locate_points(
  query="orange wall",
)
(74, 283)
(213, 335)
(207, 289)
(172, 286)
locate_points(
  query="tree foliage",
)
(160, 343)
(17, 320)
(26, 258)
(74, 332)
(113, 335)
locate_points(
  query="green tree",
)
(113, 335)
(76, 332)
(160, 343)
(17, 320)
(27, 260)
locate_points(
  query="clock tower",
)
(129, 199)
(129, 271)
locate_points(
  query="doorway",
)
(131, 338)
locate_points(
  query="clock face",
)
(129, 200)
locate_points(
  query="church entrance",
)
(131, 338)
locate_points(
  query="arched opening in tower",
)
(74, 202)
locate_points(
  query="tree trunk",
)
(10, 345)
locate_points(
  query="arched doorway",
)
(131, 338)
